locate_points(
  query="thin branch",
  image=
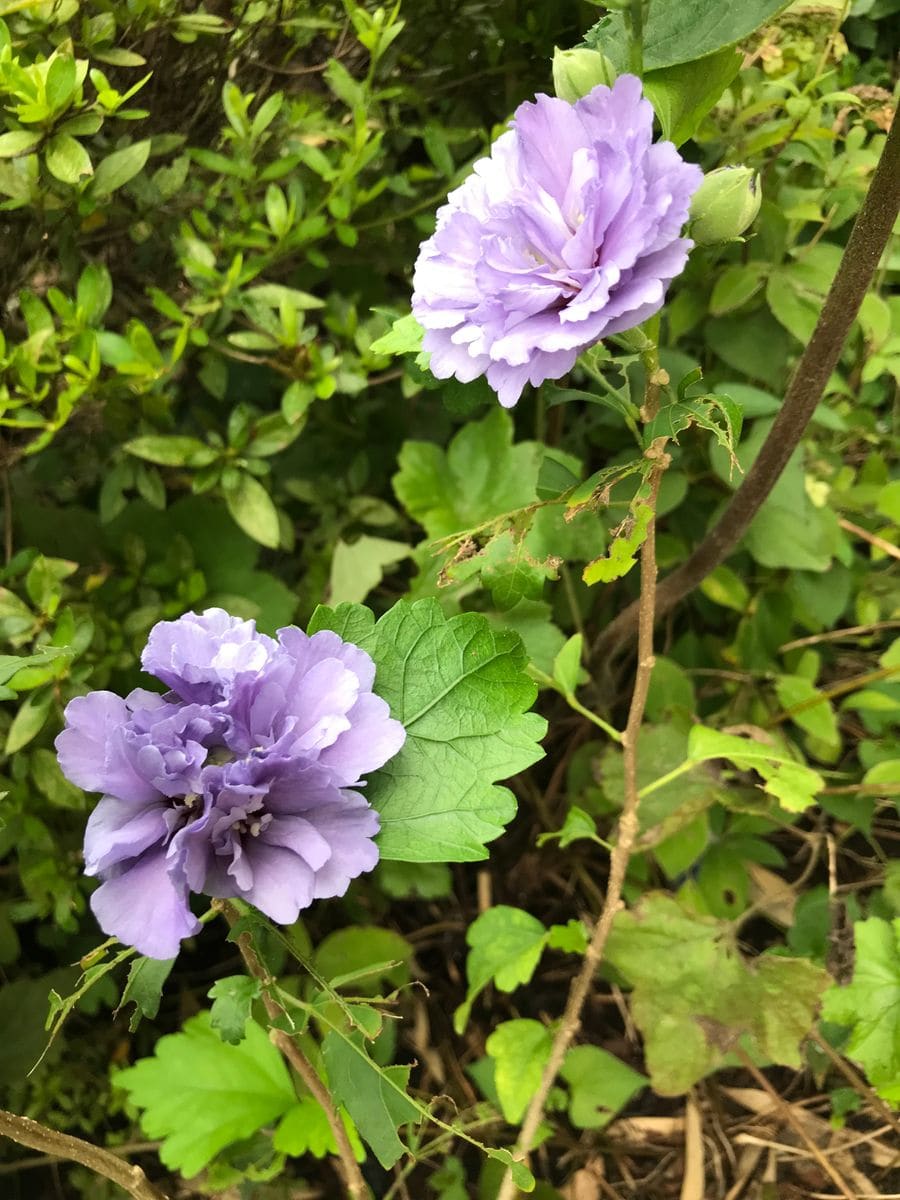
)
(859, 262)
(62, 1145)
(357, 1188)
(626, 836)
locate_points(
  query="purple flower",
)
(567, 233)
(238, 782)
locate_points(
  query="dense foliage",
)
(212, 395)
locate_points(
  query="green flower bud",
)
(724, 205)
(578, 71)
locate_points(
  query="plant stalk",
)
(858, 264)
(128, 1176)
(357, 1188)
(626, 836)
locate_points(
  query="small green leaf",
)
(567, 664)
(870, 1004)
(520, 1050)
(18, 141)
(253, 510)
(793, 784)
(373, 1096)
(505, 946)
(404, 337)
(146, 978)
(118, 168)
(29, 720)
(599, 1085)
(173, 451)
(66, 159)
(232, 999)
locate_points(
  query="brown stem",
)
(626, 835)
(62, 1145)
(859, 261)
(357, 1188)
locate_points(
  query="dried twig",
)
(618, 863)
(102, 1162)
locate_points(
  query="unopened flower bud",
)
(577, 72)
(725, 204)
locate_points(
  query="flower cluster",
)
(236, 783)
(567, 233)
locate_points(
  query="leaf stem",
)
(626, 837)
(859, 262)
(357, 1189)
(102, 1162)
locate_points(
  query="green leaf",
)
(870, 1004)
(200, 1094)
(599, 1085)
(567, 664)
(403, 337)
(505, 946)
(520, 1050)
(66, 159)
(364, 955)
(304, 1129)
(682, 95)
(816, 716)
(794, 785)
(18, 141)
(482, 474)
(29, 720)
(680, 31)
(460, 689)
(365, 1090)
(572, 938)
(357, 567)
(622, 553)
(695, 997)
(174, 451)
(232, 999)
(146, 978)
(253, 510)
(118, 168)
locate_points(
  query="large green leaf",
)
(870, 1004)
(679, 31)
(683, 95)
(460, 689)
(200, 1094)
(695, 998)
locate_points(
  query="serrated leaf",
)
(520, 1050)
(366, 1091)
(143, 989)
(695, 997)
(870, 1004)
(505, 946)
(200, 1094)
(460, 689)
(304, 1129)
(403, 337)
(232, 999)
(793, 784)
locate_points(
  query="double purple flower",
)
(236, 783)
(569, 232)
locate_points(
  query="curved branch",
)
(859, 262)
(102, 1162)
